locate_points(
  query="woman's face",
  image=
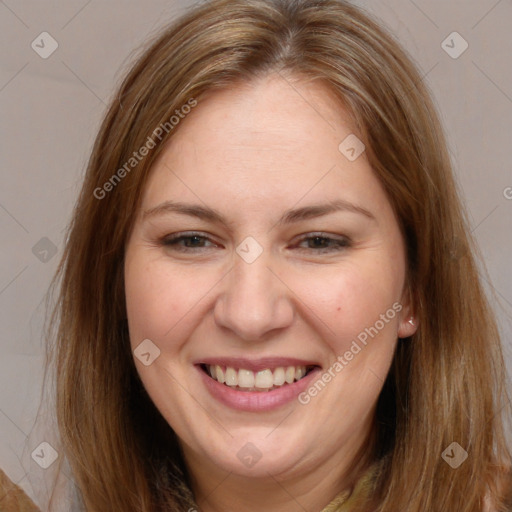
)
(263, 250)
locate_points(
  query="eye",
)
(322, 243)
(315, 242)
(186, 241)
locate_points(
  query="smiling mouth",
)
(268, 379)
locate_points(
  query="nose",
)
(254, 301)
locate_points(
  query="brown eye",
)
(322, 243)
(184, 242)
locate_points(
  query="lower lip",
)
(256, 401)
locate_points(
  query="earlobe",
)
(408, 320)
(407, 327)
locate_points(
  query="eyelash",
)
(172, 241)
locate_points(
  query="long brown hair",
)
(447, 382)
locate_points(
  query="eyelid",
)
(323, 234)
(167, 239)
(340, 242)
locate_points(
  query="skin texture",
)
(251, 153)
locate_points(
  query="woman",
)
(269, 299)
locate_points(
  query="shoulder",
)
(14, 498)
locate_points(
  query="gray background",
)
(51, 109)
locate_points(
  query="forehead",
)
(265, 144)
(274, 112)
(276, 130)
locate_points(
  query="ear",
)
(407, 319)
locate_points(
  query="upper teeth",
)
(264, 379)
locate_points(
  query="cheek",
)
(357, 316)
(156, 298)
(355, 302)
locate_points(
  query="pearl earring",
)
(411, 320)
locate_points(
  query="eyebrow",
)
(288, 217)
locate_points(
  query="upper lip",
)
(256, 365)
